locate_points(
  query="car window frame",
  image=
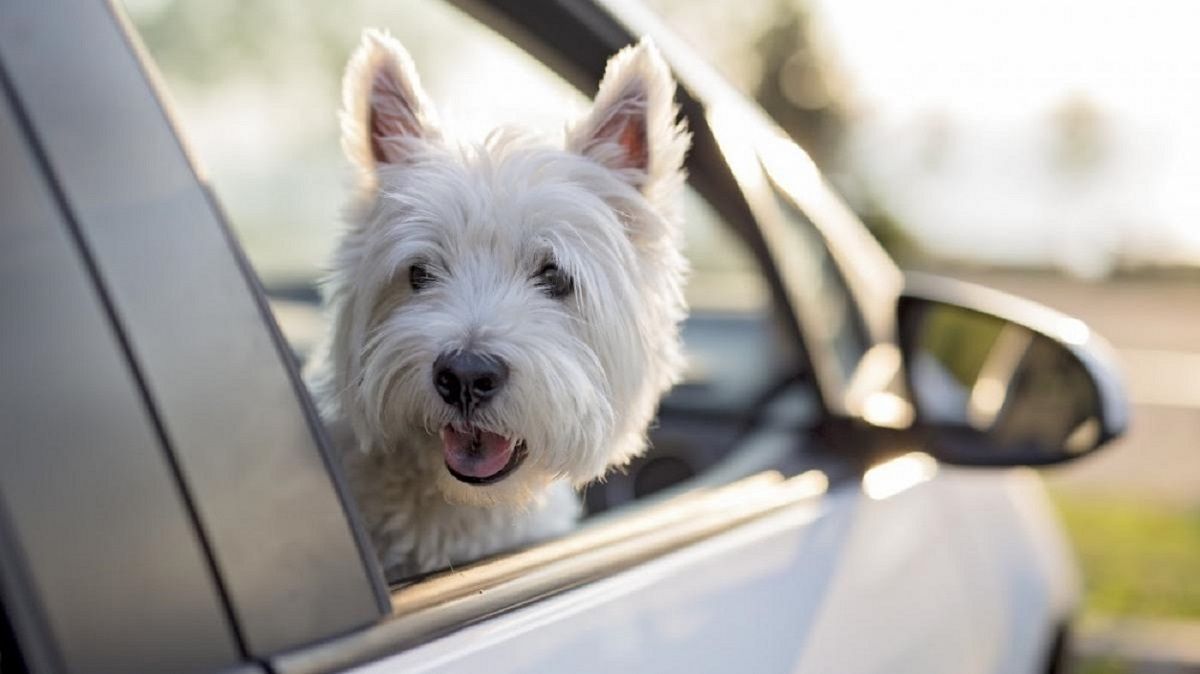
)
(79, 438)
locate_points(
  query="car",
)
(840, 484)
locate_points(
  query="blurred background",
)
(1045, 147)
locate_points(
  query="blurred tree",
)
(204, 42)
(1080, 146)
(887, 229)
(210, 43)
(801, 87)
(936, 141)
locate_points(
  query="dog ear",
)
(385, 113)
(632, 127)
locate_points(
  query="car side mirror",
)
(999, 380)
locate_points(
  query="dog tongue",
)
(475, 452)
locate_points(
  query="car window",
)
(730, 334)
(824, 293)
(743, 371)
(258, 110)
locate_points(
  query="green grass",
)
(1138, 558)
(1102, 666)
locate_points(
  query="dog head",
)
(508, 311)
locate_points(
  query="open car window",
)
(258, 111)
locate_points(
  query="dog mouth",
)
(477, 456)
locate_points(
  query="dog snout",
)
(466, 380)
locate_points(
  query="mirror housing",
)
(997, 380)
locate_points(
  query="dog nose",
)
(466, 379)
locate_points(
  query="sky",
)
(978, 83)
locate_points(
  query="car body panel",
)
(685, 611)
(846, 584)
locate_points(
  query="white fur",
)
(587, 370)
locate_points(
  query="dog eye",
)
(555, 282)
(419, 276)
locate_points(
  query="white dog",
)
(505, 314)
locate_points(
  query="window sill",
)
(449, 600)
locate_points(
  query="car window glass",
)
(257, 107)
(730, 333)
(813, 273)
(741, 361)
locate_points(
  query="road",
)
(1155, 326)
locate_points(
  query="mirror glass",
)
(990, 391)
